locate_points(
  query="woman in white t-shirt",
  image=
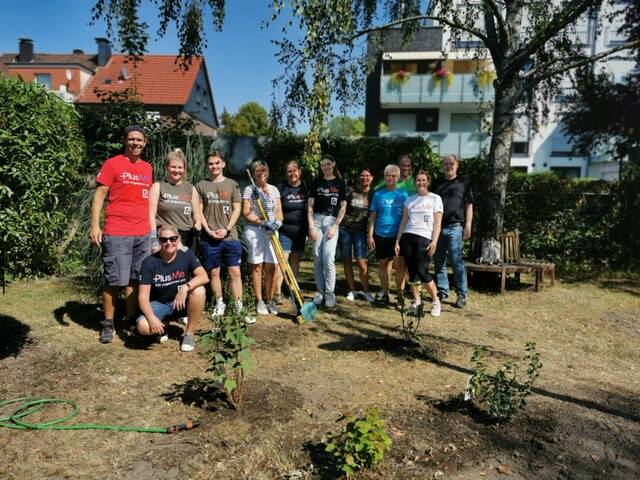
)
(417, 238)
(257, 235)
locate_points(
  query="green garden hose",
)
(27, 406)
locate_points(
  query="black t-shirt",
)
(455, 195)
(355, 220)
(327, 194)
(294, 208)
(165, 278)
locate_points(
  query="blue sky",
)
(240, 59)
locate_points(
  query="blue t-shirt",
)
(388, 205)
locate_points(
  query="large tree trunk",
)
(506, 100)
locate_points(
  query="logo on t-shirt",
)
(145, 193)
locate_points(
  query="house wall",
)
(200, 104)
(58, 74)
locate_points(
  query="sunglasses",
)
(173, 239)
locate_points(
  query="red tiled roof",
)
(86, 60)
(157, 79)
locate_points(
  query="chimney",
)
(104, 51)
(25, 54)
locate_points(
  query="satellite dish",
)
(69, 75)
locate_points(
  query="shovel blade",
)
(308, 311)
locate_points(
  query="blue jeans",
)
(450, 247)
(324, 253)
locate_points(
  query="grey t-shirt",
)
(174, 205)
(217, 203)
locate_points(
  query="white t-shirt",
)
(421, 210)
(269, 201)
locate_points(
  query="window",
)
(43, 79)
(402, 122)
(393, 67)
(465, 122)
(566, 172)
(613, 37)
(520, 149)
(561, 145)
(427, 120)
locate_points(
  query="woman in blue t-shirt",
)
(326, 207)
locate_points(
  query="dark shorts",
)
(292, 244)
(163, 310)
(217, 253)
(352, 245)
(122, 258)
(385, 247)
(414, 250)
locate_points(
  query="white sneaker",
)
(261, 308)
(351, 296)
(271, 307)
(248, 319)
(330, 302)
(318, 298)
(162, 338)
(368, 297)
(218, 310)
(435, 309)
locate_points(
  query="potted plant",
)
(400, 77)
(443, 74)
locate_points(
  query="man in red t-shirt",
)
(123, 181)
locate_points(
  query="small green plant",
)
(502, 392)
(360, 444)
(227, 346)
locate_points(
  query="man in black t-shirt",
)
(457, 198)
(171, 281)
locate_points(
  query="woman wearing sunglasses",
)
(173, 201)
(171, 285)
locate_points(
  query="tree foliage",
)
(251, 120)
(41, 147)
(343, 126)
(604, 116)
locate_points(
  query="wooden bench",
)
(513, 262)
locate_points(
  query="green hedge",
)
(41, 152)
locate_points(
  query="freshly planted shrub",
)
(227, 347)
(360, 444)
(502, 392)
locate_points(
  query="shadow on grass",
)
(88, 315)
(198, 392)
(322, 461)
(623, 286)
(459, 405)
(15, 336)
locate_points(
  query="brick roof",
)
(157, 79)
(86, 60)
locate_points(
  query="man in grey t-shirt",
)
(220, 206)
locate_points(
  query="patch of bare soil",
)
(583, 420)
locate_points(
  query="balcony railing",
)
(462, 144)
(424, 89)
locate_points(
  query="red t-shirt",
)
(128, 208)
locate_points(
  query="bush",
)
(502, 392)
(360, 444)
(42, 149)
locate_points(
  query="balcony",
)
(423, 89)
(462, 144)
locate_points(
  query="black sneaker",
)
(461, 302)
(383, 300)
(106, 334)
(442, 297)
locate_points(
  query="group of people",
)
(150, 230)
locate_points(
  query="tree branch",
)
(503, 33)
(579, 63)
(570, 12)
(443, 20)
